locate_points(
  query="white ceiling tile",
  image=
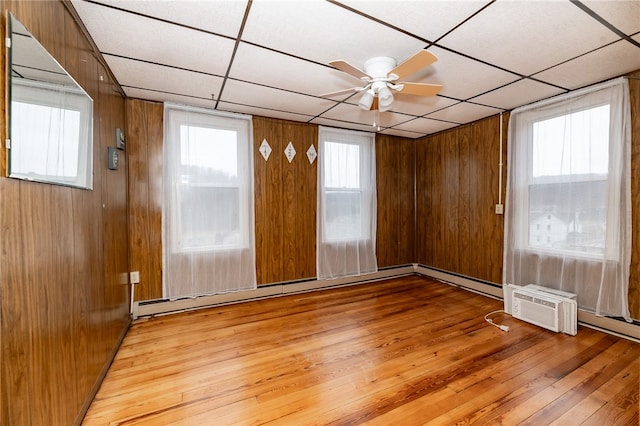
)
(151, 95)
(425, 125)
(225, 106)
(517, 94)
(428, 19)
(463, 77)
(402, 133)
(220, 17)
(528, 36)
(280, 66)
(355, 114)
(155, 41)
(166, 79)
(275, 69)
(322, 32)
(265, 97)
(622, 14)
(611, 61)
(464, 112)
(341, 124)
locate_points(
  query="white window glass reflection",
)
(50, 134)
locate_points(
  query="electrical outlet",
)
(135, 277)
(499, 208)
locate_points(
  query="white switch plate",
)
(499, 208)
(135, 277)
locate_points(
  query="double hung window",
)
(208, 209)
(568, 222)
(346, 203)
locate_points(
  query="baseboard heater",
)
(552, 309)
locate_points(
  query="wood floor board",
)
(403, 351)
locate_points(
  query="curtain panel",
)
(568, 211)
(208, 209)
(346, 225)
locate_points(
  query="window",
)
(569, 168)
(209, 190)
(346, 203)
(343, 192)
(208, 203)
(567, 221)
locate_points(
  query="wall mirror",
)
(50, 116)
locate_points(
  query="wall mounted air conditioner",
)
(552, 309)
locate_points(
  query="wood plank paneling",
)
(285, 201)
(144, 136)
(403, 351)
(299, 203)
(63, 254)
(457, 187)
(268, 192)
(395, 162)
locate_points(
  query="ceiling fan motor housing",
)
(379, 66)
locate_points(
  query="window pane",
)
(568, 216)
(209, 216)
(576, 143)
(208, 155)
(341, 165)
(343, 219)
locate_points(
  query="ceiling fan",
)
(381, 75)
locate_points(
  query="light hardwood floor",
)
(405, 351)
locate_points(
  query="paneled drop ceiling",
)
(270, 57)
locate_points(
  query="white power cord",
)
(490, 321)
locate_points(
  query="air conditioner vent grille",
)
(548, 308)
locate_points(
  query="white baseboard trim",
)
(461, 281)
(164, 307)
(608, 325)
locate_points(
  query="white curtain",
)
(346, 225)
(568, 213)
(208, 203)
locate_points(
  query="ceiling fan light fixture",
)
(385, 97)
(367, 100)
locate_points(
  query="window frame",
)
(359, 139)
(524, 216)
(194, 117)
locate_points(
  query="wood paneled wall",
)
(63, 253)
(457, 229)
(144, 135)
(395, 171)
(450, 222)
(285, 201)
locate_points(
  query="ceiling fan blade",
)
(420, 89)
(348, 68)
(341, 92)
(420, 60)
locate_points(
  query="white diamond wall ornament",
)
(290, 152)
(312, 154)
(265, 149)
